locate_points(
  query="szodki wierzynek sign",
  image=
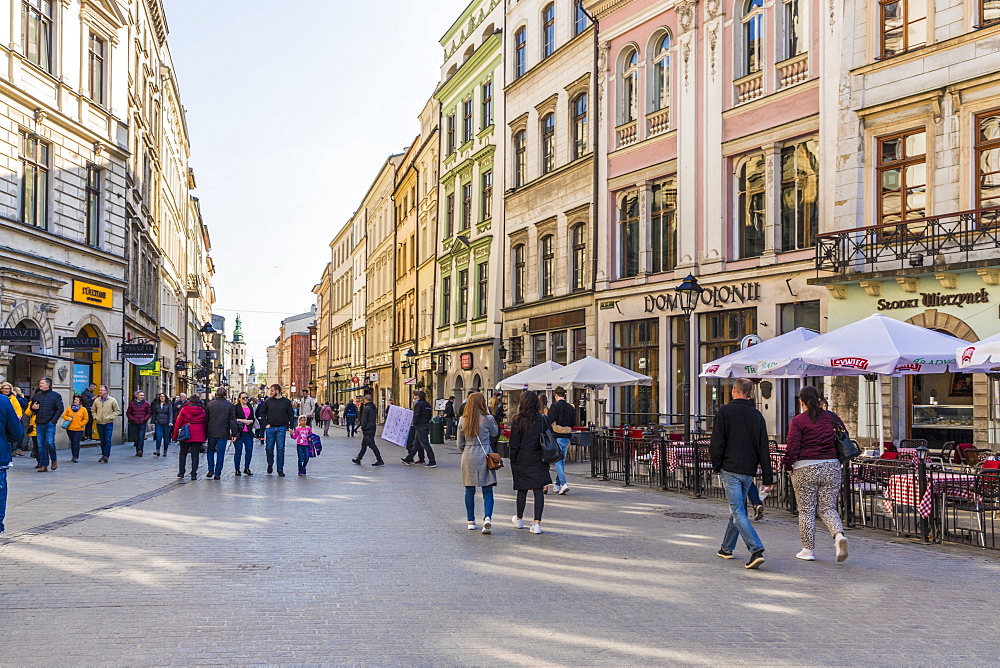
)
(936, 300)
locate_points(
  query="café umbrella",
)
(524, 378)
(744, 362)
(591, 373)
(982, 356)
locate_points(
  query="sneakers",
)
(564, 489)
(758, 513)
(103, 460)
(219, 477)
(487, 525)
(724, 554)
(270, 469)
(536, 527)
(237, 472)
(840, 544)
(517, 522)
(472, 526)
(356, 461)
(406, 461)
(156, 453)
(806, 555)
(379, 463)
(756, 560)
(431, 465)
(302, 471)
(281, 474)
(247, 472)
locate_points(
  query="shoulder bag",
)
(493, 460)
(847, 449)
(551, 453)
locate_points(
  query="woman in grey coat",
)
(476, 428)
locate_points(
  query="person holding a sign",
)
(420, 435)
(476, 429)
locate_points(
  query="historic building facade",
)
(404, 337)
(427, 166)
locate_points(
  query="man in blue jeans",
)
(47, 405)
(562, 418)
(278, 417)
(11, 433)
(738, 448)
(351, 416)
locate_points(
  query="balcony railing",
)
(749, 87)
(626, 134)
(658, 121)
(954, 237)
(793, 70)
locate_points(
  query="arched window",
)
(661, 74)
(753, 37)
(579, 125)
(548, 258)
(548, 132)
(518, 273)
(579, 256)
(520, 52)
(630, 85)
(519, 158)
(628, 237)
(548, 30)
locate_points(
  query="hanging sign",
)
(749, 340)
(16, 335)
(466, 361)
(79, 343)
(151, 369)
(138, 353)
(93, 294)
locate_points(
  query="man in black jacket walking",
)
(561, 416)
(369, 418)
(420, 441)
(278, 418)
(47, 405)
(739, 446)
(220, 427)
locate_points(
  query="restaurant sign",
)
(20, 334)
(716, 296)
(93, 294)
(936, 300)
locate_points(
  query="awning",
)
(360, 388)
(49, 357)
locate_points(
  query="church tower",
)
(238, 380)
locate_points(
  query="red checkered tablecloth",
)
(904, 489)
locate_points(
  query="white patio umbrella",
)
(591, 373)
(877, 345)
(519, 380)
(744, 362)
(982, 356)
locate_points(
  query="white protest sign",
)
(397, 425)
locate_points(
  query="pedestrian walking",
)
(812, 457)
(192, 416)
(336, 413)
(25, 420)
(326, 416)
(739, 446)
(106, 410)
(351, 416)
(138, 413)
(497, 410)
(561, 417)
(7, 390)
(530, 473)
(220, 427)
(163, 422)
(278, 418)
(307, 407)
(421, 427)
(11, 433)
(243, 444)
(449, 417)
(388, 406)
(476, 428)
(32, 434)
(89, 394)
(369, 418)
(74, 419)
(47, 406)
(301, 435)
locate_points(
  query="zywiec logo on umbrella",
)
(712, 369)
(912, 366)
(850, 363)
(967, 354)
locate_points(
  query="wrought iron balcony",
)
(955, 237)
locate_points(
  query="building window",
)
(721, 333)
(548, 143)
(445, 301)
(753, 37)
(903, 25)
(579, 125)
(520, 52)
(520, 163)
(487, 94)
(449, 215)
(482, 284)
(800, 314)
(548, 30)
(989, 12)
(579, 343)
(557, 345)
(516, 345)
(902, 177)
(663, 227)
(799, 195)
(628, 224)
(96, 69)
(519, 274)
(636, 345)
(678, 350)
(750, 215)
(467, 129)
(581, 21)
(630, 85)
(92, 232)
(793, 29)
(661, 74)
(34, 180)
(487, 195)
(548, 258)
(538, 348)
(451, 133)
(988, 160)
(579, 269)
(466, 206)
(36, 32)
(463, 296)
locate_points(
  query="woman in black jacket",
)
(163, 422)
(526, 465)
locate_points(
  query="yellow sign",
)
(151, 369)
(93, 294)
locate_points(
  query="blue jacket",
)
(350, 409)
(11, 431)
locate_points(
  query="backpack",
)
(315, 445)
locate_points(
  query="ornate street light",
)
(688, 293)
(208, 329)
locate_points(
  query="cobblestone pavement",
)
(120, 564)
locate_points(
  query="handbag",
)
(846, 448)
(493, 460)
(551, 452)
(184, 433)
(65, 424)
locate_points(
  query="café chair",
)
(976, 456)
(947, 451)
(987, 499)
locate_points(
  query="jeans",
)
(470, 502)
(303, 451)
(3, 496)
(737, 487)
(368, 441)
(563, 444)
(216, 453)
(351, 429)
(138, 435)
(275, 436)
(244, 441)
(75, 437)
(46, 443)
(326, 427)
(193, 447)
(422, 441)
(754, 495)
(161, 436)
(105, 431)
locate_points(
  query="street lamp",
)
(688, 293)
(208, 329)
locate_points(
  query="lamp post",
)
(688, 293)
(336, 385)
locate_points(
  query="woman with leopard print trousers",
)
(812, 458)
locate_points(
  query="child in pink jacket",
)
(301, 436)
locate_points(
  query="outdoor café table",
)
(904, 489)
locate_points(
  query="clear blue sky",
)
(292, 108)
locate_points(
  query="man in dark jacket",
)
(278, 417)
(351, 417)
(138, 413)
(369, 418)
(421, 429)
(220, 427)
(449, 417)
(47, 405)
(739, 446)
(88, 396)
(11, 433)
(562, 419)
